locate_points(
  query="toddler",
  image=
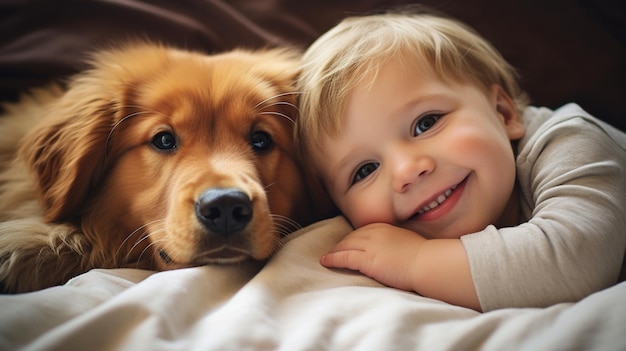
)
(456, 187)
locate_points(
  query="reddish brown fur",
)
(111, 199)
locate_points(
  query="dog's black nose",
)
(224, 211)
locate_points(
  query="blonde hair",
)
(358, 47)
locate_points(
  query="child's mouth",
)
(438, 201)
(427, 212)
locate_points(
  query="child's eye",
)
(364, 171)
(424, 123)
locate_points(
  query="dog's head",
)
(182, 155)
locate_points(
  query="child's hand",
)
(381, 251)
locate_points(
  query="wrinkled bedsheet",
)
(291, 303)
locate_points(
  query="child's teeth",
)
(440, 199)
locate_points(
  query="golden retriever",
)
(155, 158)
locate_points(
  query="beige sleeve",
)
(572, 172)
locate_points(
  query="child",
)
(458, 189)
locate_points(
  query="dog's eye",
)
(261, 141)
(164, 141)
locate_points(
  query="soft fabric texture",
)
(571, 169)
(292, 303)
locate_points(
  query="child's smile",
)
(442, 204)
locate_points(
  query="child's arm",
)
(572, 173)
(402, 259)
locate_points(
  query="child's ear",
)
(508, 112)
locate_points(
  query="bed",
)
(565, 51)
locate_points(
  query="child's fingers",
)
(350, 259)
(353, 241)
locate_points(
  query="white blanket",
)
(292, 303)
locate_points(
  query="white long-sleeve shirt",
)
(571, 169)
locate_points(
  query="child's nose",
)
(410, 168)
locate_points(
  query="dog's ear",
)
(66, 149)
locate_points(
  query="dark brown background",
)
(565, 50)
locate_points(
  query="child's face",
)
(430, 157)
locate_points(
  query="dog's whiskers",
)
(146, 249)
(143, 236)
(286, 103)
(137, 243)
(125, 118)
(278, 114)
(267, 103)
(278, 244)
(133, 233)
(285, 225)
(275, 97)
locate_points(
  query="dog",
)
(153, 158)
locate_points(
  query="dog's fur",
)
(155, 158)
